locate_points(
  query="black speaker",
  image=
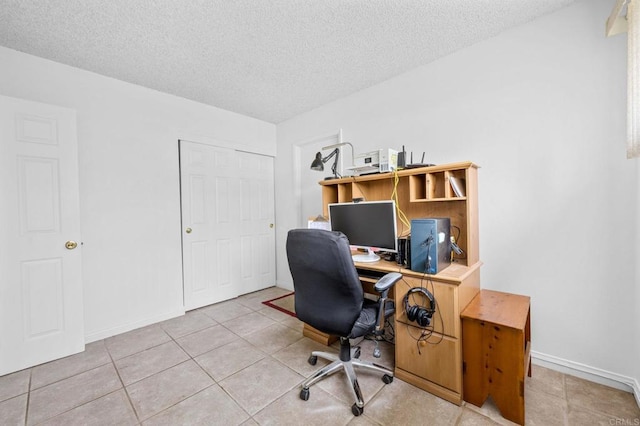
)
(404, 252)
(420, 314)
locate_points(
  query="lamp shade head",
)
(317, 164)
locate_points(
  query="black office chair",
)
(329, 297)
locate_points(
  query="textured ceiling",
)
(271, 60)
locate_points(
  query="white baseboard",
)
(614, 380)
(123, 328)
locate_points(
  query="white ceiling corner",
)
(271, 60)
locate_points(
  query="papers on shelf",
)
(458, 186)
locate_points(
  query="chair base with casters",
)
(346, 360)
(372, 318)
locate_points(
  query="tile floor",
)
(240, 362)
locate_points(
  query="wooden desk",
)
(433, 364)
(496, 351)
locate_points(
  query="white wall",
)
(542, 109)
(129, 182)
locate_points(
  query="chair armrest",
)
(386, 282)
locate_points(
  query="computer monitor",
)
(369, 225)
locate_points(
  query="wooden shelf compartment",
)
(418, 188)
(457, 214)
(329, 194)
(460, 177)
(436, 185)
(338, 193)
(373, 190)
(345, 193)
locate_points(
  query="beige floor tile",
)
(490, 410)
(403, 404)
(273, 338)
(135, 341)
(579, 416)
(473, 418)
(188, 323)
(259, 372)
(274, 314)
(13, 411)
(544, 409)
(294, 323)
(111, 409)
(260, 384)
(254, 300)
(226, 360)
(150, 361)
(205, 340)
(94, 355)
(225, 311)
(545, 380)
(247, 324)
(14, 384)
(169, 387)
(363, 420)
(66, 394)
(338, 385)
(321, 409)
(212, 406)
(296, 356)
(387, 352)
(600, 398)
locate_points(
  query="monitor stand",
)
(369, 257)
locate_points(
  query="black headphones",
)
(419, 314)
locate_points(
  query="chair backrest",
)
(328, 292)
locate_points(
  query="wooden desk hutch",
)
(435, 363)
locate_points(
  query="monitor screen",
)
(368, 224)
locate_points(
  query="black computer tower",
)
(430, 245)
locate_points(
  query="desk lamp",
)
(318, 163)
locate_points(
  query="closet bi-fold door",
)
(228, 237)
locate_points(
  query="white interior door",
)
(257, 233)
(41, 303)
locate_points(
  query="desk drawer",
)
(445, 320)
(438, 361)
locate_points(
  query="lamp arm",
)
(330, 156)
(334, 166)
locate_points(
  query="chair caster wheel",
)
(304, 394)
(356, 410)
(387, 379)
(312, 360)
(356, 353)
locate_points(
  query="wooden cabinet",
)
(430, 359)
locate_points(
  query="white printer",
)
(379, 161)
